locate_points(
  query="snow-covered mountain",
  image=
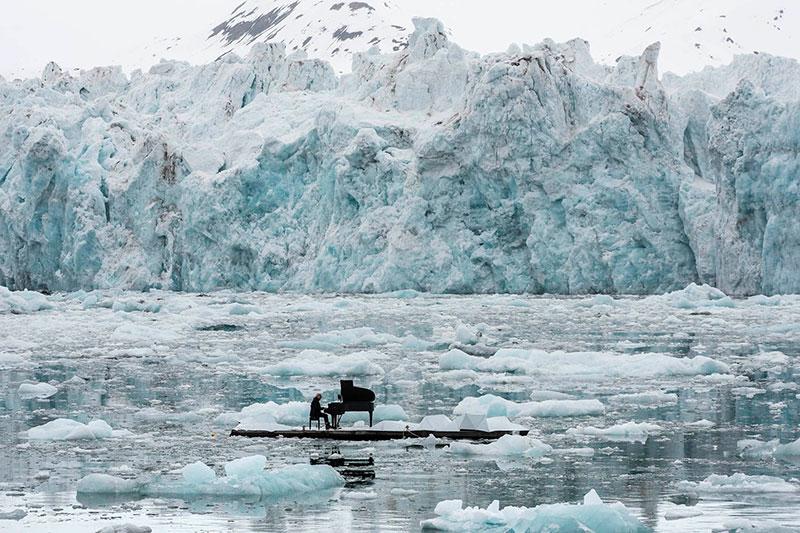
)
(432, 168)
(697, 33)
(324, 29)
(693, 33)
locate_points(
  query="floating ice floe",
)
(586, 365)
(757, 449)
(760, 299)
(747, 392)
(360, 495)
(600, 300)
(403, 492)
(507, 445)
(16, 514)
(319, 364)
(66, 429)
(491, 405)
(680, 512)
(436, 423)
(628, 431)
(135, 305)
(9, 359)
(125, 528)
(367, 337)
(646, 399)
(244, 477)
(22, 302)
(701, 424)
(696, 296)
(769, 361)
(591, 516)
(541, 395)
(743, 525)
(143, 334)
(738, 483)
(157, 416)
(36, 390)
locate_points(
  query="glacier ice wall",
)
(435, 169)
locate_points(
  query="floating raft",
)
(366, 435)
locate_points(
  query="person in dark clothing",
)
(318, 412)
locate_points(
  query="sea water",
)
(169, 372)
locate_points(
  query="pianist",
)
(318, 412)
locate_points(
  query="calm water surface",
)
(129, 358)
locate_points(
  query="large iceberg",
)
(431, 169)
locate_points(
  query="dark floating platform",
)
(364, 435)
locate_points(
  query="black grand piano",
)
(352, 399)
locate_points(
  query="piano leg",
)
(370, 419)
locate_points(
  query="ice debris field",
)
(675, 412)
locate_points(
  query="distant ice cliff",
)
(433, 169)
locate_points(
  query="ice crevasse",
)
(431, 169)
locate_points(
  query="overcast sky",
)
(84, 33)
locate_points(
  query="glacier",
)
(432, 169)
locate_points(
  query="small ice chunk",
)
(403, 492)
(246, 467)
(16, 514)
(507, 445)
(65, 429)
(125, 528)
(592, 498)
(436, 423)
(788, 450)
(22, 302)
(738, 483)
(106, 484)
(448, 507)
(626, 431)
(320, 364)
(491, 405)
(647, 399)
(680, 512)
(198, 473)
(538, 396)
(467, 335)
(357, 495)
(36, 390)
(703, 424)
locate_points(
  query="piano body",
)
(354, 400)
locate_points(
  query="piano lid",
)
(351, 393)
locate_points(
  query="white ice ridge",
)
(432, 169)
(584, 364)
(243, 477)
(592, 516)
